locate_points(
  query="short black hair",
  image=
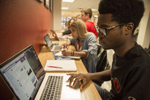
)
(123, 11)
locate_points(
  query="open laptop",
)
(26, 78)
(50, 44)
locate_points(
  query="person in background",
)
(85, 45)
(86, 15)
(67, 33)
(78, 16)
(130, 70)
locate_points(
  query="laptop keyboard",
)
(52, 89)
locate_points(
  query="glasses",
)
(103, 31)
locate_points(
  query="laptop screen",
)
(48, 40)
(23, 73)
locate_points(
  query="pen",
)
(54, 67)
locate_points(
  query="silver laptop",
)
(52, 46)
(26, 78)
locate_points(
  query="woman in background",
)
(85, 45)
(67, 31)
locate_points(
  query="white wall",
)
(144, 29)
(110, 56)
(56, 15)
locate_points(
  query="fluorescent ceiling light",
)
(64, 8)
(94, 10)
(68, 0)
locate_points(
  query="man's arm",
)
(85, 78)
(103, 75)
(74, 53)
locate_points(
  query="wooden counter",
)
(89, 92)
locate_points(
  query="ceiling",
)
(77, 5)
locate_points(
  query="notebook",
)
(59, 54)
(61, 58)
(60, 65)
(50, 44)
(26, 78)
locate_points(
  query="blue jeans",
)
(102, 92)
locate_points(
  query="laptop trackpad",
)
(70, 93)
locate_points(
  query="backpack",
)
(102, 63)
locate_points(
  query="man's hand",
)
(75, 78)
